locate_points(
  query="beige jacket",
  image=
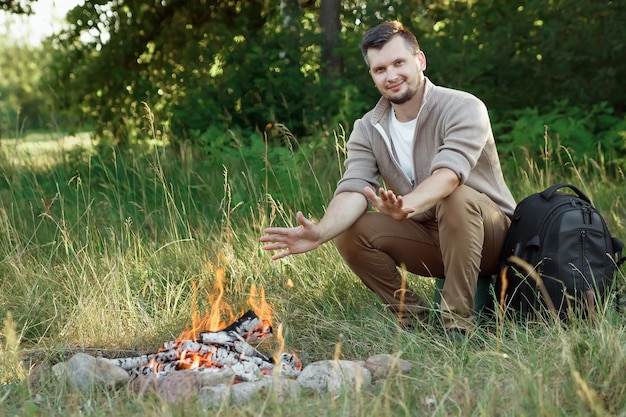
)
(453, 131)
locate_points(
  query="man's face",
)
(397, 73)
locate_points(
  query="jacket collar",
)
(382, 108)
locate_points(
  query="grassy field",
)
(100, 251)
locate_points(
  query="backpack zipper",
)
(583, 238)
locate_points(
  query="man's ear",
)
(421, 61)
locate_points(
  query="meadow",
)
(101, 249)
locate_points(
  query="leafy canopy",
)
(225, 64)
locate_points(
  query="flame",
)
(194, 361)
(218, 306)
(279, 350)
(260, 305)
(214, 321)
(281, 342)
(282, 358)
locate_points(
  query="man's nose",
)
(391, 73)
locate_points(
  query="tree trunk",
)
(330, 23)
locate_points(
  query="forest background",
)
(207, 121)
(205, 67)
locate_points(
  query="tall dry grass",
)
(100, 253)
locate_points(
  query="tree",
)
(515, 56)
(222, 64)
(24, 103)
(196, 64)
(330, 24)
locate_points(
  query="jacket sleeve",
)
(466, 130)
(361, 169)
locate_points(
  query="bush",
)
(598, 135)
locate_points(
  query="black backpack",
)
(571, 257)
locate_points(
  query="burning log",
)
(222, 338)
(249, 326)
(226, 348)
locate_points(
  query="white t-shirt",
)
(402, 135)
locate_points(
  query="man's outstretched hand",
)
(292, 240)
(387, 202)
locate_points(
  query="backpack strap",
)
(549, 192)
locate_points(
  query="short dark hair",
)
(382, 33)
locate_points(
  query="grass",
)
(101, 252)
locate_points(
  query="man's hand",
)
(292, 240)
(387, 202)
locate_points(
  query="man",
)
(445, 209)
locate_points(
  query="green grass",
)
(101, 251)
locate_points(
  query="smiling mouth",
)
(395, 87)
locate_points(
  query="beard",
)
(401, 98)
(406, 96)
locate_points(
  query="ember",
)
(211, 350)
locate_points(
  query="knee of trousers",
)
(344, 243)
(352, 241)
(461, 203)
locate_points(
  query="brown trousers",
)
(464, 242)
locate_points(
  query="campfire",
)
(220, 361)
(210, 345)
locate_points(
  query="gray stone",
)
(142, 384)
(216, 376)
(182, 385)
(38, 376)
(278, 387)
(247, 371)
(335, 376)
(214, 395)
(87, 372)
(382, 366)
(242, 392)
(282, 388)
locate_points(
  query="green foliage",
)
(24, 101)
(272, 163)
(196, 65)
(531, 54)
(598, 135)
(237, 65)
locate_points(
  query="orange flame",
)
(195, 361)
(218, 306)
(281, 342)
(214, 319)
(260, 305)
